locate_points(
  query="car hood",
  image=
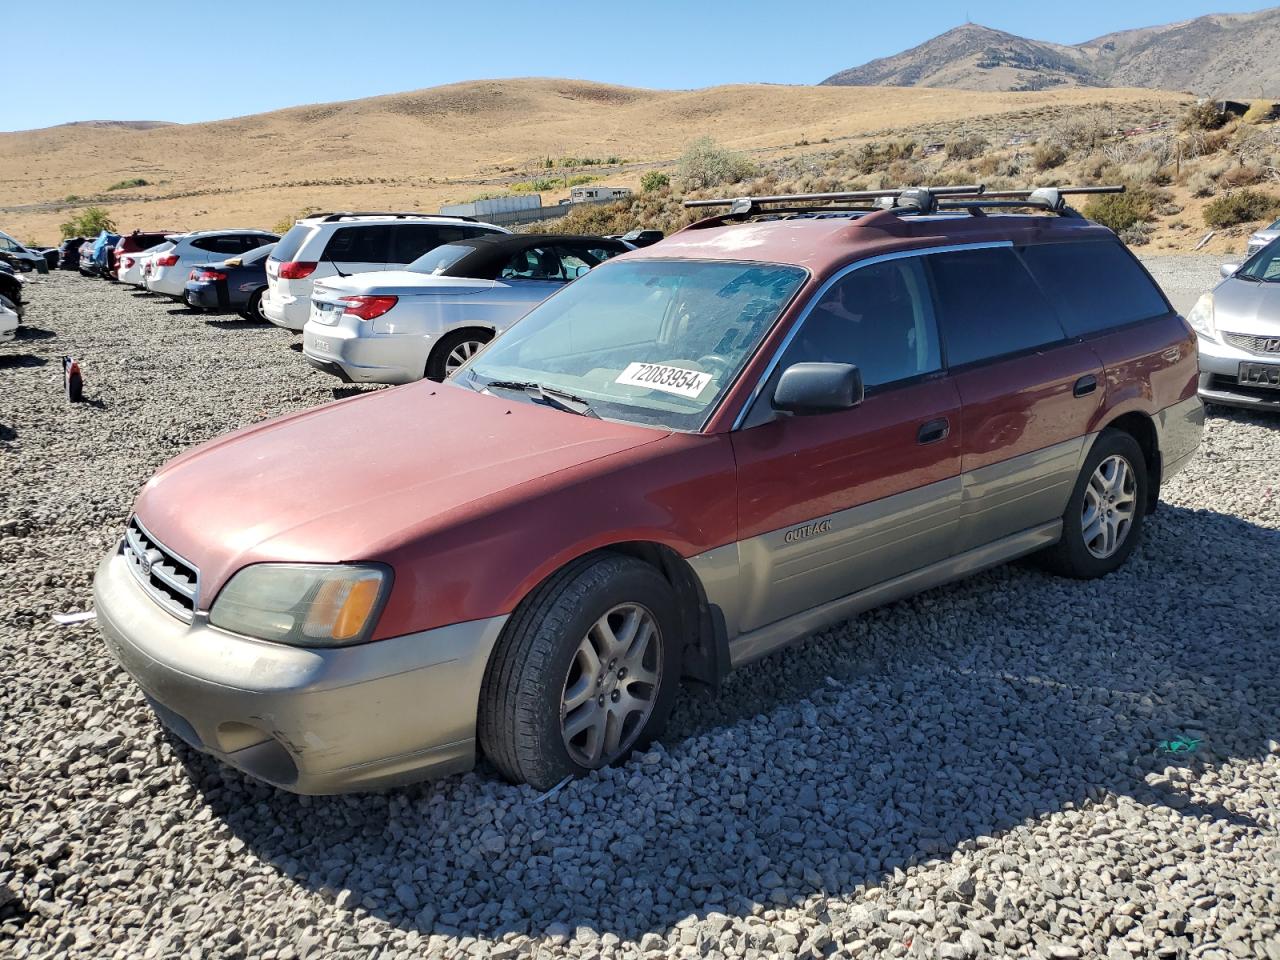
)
(357, 479)
(398, 283)
(1242, 306)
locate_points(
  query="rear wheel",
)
(1103, 521)
(585, 672)
(453, 350)
(253, 311)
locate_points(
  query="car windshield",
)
(647, 341)
(1263, 265)
(437, 261)
(1274, 226)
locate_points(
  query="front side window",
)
(878, 318)
(1096, 285)
(643, 341)
(1263, 265)
(988, 306)
(535, 263)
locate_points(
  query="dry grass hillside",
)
(451, 143)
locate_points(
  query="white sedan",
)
(428, 319)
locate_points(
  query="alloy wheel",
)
(1109, 504)
(612, 685)
(460, 355)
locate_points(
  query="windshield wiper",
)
(560, 399)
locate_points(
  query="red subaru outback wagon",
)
(694, 455)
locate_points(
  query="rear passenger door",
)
(359, 248)
(1028, 391)
(831, 504)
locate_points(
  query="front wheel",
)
(584, 673)
(1103, 521)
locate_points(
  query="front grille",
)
(1245, 341)
(171, 581)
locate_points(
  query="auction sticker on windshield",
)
(656, 376)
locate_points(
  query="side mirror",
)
(581, 271)
(1229, 268)
(805, 389)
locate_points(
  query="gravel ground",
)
(980, 771)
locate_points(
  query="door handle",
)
(1085, 385)
(934, 430)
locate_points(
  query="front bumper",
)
(1220, 377)
(380, 358)
(307, 720)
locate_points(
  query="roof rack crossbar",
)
(331, 216)
(793, 198)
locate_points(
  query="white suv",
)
(169, 270)
(339, 244)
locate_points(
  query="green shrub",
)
(654, 180)
(1120, 211)
(128, 184)
(88, 223)
(1046, 156)
(707, 164)
(1242, 206)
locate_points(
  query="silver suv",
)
(339, 244)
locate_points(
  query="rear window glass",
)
(1096, 286)
(289, 245)
(435, 262)
(989, 306)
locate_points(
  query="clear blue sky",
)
(206, 61)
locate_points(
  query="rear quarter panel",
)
(1148, 366)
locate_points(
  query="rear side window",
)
(291, 242)
(409, 241)
(1096, 286)
(359, 244)
(228, 246)
(989, 306)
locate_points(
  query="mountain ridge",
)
(1218, 54)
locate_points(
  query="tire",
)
(539, 661)
(1085, 558)
(253, 310)
(439, 363)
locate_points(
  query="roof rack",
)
(973, 198)
(400, 214)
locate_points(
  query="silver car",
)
(1238, 325)
(1262, 237)
(397, 326)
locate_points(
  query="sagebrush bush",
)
(1241, 176)
(1203, 116)
(1242, 206)
(128, 184)
(654, 180)
(707, 164)
(966, 148)
(1120, 211)
(1047, 155)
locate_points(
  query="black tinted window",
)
(989, 306)
(1094, 285)
(227, 246)
(879, 318)
(409, 241)
(359, 244)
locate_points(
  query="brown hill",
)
(443, 144)
(1219, 54)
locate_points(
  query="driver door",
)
(831, 504)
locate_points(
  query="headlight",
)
(1201, 317)
(304, 604)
